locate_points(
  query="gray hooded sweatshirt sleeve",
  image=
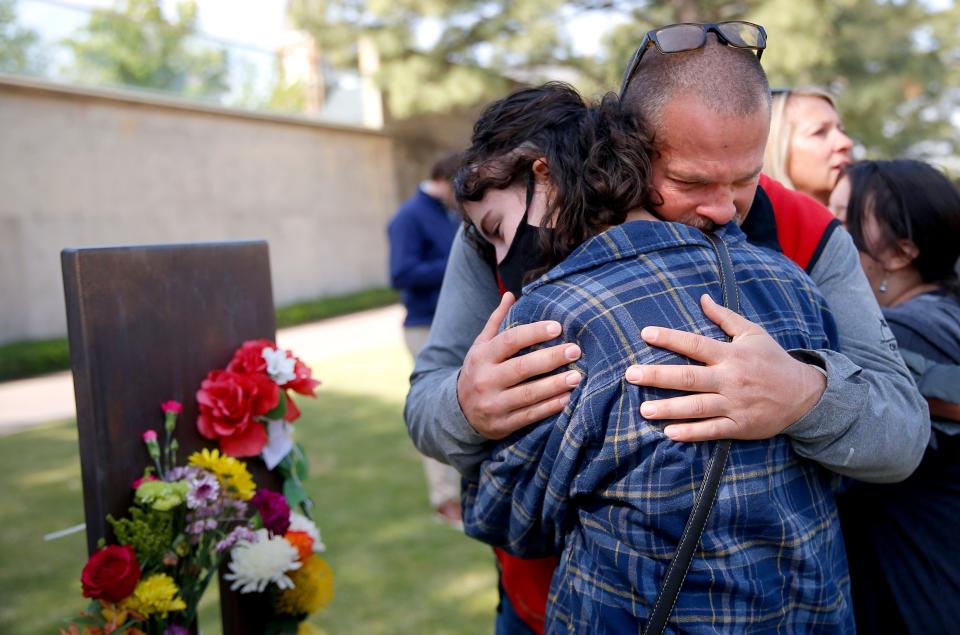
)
(870, 423)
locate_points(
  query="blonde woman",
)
(807, 149)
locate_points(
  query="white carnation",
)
(255, 564)
(279, 366)
(299, 522)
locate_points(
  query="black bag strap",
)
(703, 505)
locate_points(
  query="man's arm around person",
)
(869, 423)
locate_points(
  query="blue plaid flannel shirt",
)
(610, 493)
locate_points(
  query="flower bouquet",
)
(185, 521)
(248, 409)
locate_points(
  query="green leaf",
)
(286, 466)
(301, 462)
(281, 410)
(91, 616)
(294, 493)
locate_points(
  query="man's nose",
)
(719, 207)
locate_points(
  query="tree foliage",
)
(17, 45)
(889, 62)
(135, 44)
(477, 47)
(894, 63)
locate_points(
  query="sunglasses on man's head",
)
(689, 36)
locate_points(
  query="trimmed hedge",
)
(19, 360)
(324, 308)
(33, 357)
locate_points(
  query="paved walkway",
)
(30, 402)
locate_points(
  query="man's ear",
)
(901, 255)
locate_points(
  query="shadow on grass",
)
(396, 570)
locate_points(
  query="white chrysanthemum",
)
(299, 522)
(279, 366)
(254, 565)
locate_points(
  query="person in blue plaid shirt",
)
(599, 484)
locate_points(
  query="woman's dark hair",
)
(910, 200)
(599, 160)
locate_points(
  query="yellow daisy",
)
(232, 474)
(155, 594)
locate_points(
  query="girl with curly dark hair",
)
(545, 172)
(558, 193)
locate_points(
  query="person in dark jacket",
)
(421, 233)
(903, 539)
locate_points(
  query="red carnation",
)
(171, 406)
(274, 511)
(230, 402)
(304, 382)
(249, 357)
(293, 412)
(143, 479)
(111, 574)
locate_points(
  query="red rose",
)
(111, 574)
(304, 382)
(249, 357)
(229, 404)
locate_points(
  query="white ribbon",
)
(279, 442)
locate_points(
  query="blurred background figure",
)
(902, 539)
(420, 235)
(807, 149)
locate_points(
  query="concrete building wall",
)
(91, 168)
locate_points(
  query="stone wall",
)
(90, 168)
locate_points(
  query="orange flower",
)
(302, 541)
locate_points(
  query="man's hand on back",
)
(493, 388)
(749, 388)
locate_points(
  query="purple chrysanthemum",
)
(235, 507)
(204, 490)
(182, 473)
(238, 533)
(196, 527)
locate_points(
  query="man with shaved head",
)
(711, 114)
(855, 413)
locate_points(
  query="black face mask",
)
(525, 253)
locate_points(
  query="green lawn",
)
(397, 571)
